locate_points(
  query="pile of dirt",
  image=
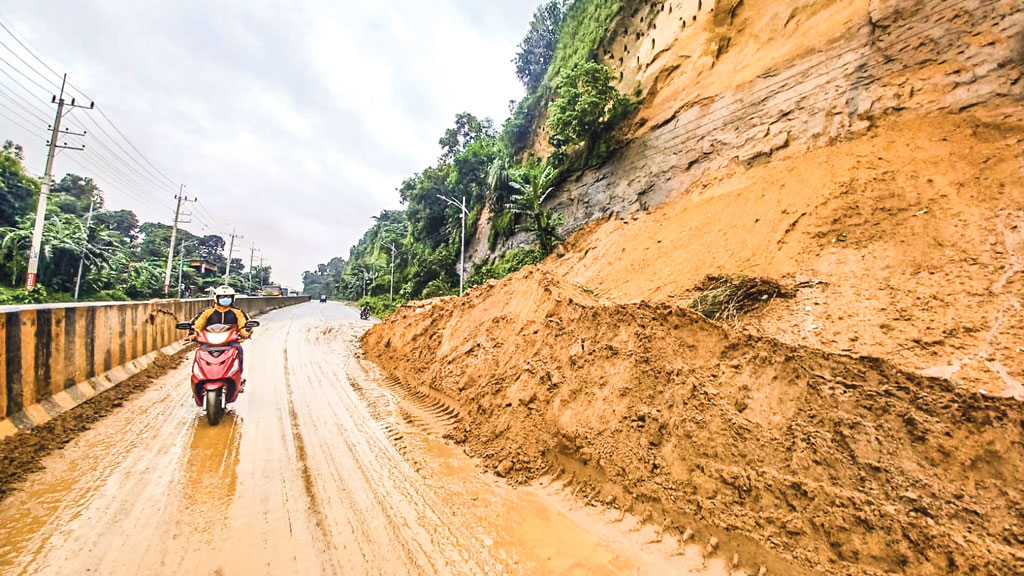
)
(907, 244)
(22, 454)
(841, 464)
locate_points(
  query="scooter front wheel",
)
(214, 410)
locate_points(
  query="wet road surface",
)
(312, 471)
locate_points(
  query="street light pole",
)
(391, 297)
(464, 211)
(81, 259)
(181, 267)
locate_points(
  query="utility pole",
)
(174, 234)
(462, 207)
(44, 190)
(231, 251)
(81, 259)
(263, 272)
(252, 258)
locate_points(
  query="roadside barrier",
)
(57, 356)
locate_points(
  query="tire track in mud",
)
(418, 531)
(315, 507)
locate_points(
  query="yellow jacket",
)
(222, 315)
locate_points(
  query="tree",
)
(211, 248)
(122, 222)
(18, 190)
(588, 105)
(74, 193)
(534, 186)
(64, 242)
(538, 46)
(14, 150)
(468, 129)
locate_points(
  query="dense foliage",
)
(414, 253)
(120, 258)
(588, 105)
(538, 46)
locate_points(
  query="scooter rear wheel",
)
(214, 410)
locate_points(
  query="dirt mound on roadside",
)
(907, 242)
(841, 464)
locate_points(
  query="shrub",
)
(510, 262)
(109, 296)
(381, 306)
(588, 105)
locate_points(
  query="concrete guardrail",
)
(57, 356)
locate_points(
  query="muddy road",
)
(313, 471)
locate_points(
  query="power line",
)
(116, 184)
(27, 46)
(149, 168)
(143, 156)
(25, 76)
(16, 123)
(12, 98)
(16, 113)
(22, 86)
(30, 67)
(139, 176)
(121, 148)
(123, 179)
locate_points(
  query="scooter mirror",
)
(184, 326)
(252, 324)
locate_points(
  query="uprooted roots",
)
(726, 298)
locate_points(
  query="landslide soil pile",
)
(839, 464)
(907, 244)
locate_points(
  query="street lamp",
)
(464, 211)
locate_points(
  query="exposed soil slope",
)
(915, 231)
(844, 465)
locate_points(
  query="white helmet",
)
(224, 295)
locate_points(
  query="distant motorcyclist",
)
(364, 312)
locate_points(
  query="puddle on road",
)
(211, 472)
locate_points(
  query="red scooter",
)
(217, 369)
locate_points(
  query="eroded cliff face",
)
(745, 79)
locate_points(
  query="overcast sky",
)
(293, 121)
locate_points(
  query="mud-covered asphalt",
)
(299, 478)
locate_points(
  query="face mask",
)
(225, 301)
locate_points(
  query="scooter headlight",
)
(217, 338)
(195, 370)
(236, 367)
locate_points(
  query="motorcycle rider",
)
(224, 312)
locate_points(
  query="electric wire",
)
(10, 96)
(30, 67)
(16, 113)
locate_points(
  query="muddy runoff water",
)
(313, 471)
